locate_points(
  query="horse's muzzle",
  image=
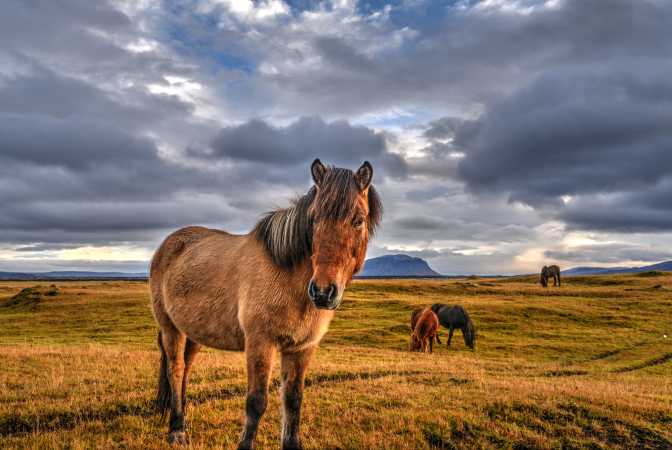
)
(324, 298)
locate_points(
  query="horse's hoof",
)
(178, 438)
(294, 445)
(246, 445)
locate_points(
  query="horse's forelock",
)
(338, 195)
(287, 233)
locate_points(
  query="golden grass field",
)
(582, 366)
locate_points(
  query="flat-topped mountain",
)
(397, 266)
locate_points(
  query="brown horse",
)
(272, 290)
(548, 272)
(425, 328)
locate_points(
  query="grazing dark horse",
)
(271, 291)
(453, 317)
(548, 272)
(425, 328)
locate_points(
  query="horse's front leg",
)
(294, 367)
(260, 356)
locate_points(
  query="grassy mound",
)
(26, 298)
(651, 273)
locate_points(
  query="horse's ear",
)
(364, 175)
(318, 170)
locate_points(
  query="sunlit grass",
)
(583, 366)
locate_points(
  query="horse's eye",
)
(358, 222)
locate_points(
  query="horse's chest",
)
(306, 332)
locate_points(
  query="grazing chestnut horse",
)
(425, 327)
(548, 272)
(271, 291)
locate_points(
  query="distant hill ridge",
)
(68, 274)
(665, 266)
(398, 265)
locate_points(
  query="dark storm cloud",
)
(552, 102)
(421, 223)
(78, 144)
(572, 133)
(44, 247)
(85, 171)
(423, 228)
(582, 133)
(338, 143)
(592, 122)
(431, 193)
(53, 264)
(609, 253)
(443, 128)
(80, 133)
(44, 26)
(640, 210)
(469, 57)
(42, 92)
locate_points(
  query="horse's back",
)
(415, 315)
(454, 316)
(427, 323)
(174, 246)
(194, 281)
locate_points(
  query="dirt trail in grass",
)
(650, 363)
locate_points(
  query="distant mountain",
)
(397, 266)
(665, 266)
(68, 275)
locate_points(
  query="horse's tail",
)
(469, 332)
(163, 395)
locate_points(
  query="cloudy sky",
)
(503, 134)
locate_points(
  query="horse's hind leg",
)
(190, 350)
(431, 344)
(173, 344)
(450, 335)
(259, 365)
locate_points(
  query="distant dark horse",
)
(548, 272)
(452, 317)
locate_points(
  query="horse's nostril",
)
(312, 289)
(331, 294)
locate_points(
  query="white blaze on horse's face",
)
(338, 243)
